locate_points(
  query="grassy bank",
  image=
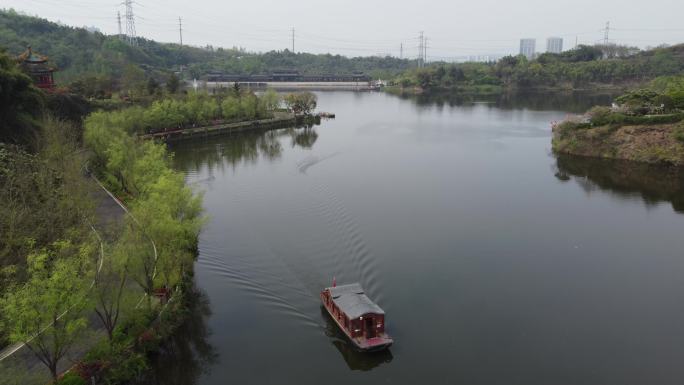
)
(649, 143)
(645, 125)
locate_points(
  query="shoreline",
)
(283, 121)
(656, 144)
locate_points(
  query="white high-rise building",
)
(528, 47)
(554, 45)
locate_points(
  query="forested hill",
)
(78, 52)
(585, 67)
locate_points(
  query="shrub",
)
(71, 379)
(599, 115)
(570, 124)
(678, 132)
(128, 367)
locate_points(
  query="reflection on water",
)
(187, 354)
(653, 183)
(242, 147)
(355, 359)
(576, 102)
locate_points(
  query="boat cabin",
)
(357, 316)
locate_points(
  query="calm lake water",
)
(496, 262)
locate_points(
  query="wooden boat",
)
(359, 318)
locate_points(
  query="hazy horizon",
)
(453, 29)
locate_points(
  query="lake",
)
(495, 261)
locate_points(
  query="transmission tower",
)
(401, 51)
(293, 40)
(606, 33)
(425, 47)
(118, 21)
(421, 49)
(180, 30)
(130, 23)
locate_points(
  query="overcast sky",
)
(359, 28)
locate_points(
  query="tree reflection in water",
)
(575, 102)
(304, 138)
(187, 354)
(652, 183)
(355, 359)
(238, 148)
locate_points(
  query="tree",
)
(45, 313)
(133, 80)
(20, 101)
(109, 289)
(236, 90)
(152, 86)
(301, 102)
(172, 83)
(270, 100)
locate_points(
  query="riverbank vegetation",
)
(645, 125)
(71, 274)
(585, 67)
(197, 109)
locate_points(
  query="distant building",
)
(528, 47)
(554, 45)
(37, 68)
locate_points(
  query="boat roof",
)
(352, 300)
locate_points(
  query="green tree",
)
(271, 100)
(236, 90)
(20, 103)
(133, 80)
(231, 108)
(45, 313)
(172, 83)
(152, 86)
(301, 102)
(110, 288)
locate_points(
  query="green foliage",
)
(20, 103)
(166, 210)
(580, 67)
(71, 379)
(172, 83)
(120, 362)
(271, 100)
(45, 198)
(152, 86)
(128, 366)
(301, 102)
(133, 80)
(78, 53)
(92, 86)
(678, 132)
(196, 109)
(599, 115)
(45, 312)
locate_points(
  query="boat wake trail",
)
(353, 260)
(311, 161)
(265, 287)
